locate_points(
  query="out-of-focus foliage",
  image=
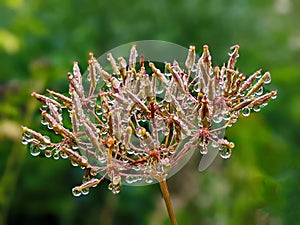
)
(259, 184)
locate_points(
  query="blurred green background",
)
(259, 184)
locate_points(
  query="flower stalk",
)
(167, 199)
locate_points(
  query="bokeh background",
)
(259, 184)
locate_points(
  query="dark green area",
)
(259, 184)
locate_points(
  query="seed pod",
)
(242, 104)
(158, 73)
(113, 64)
(45, 99)
(75, 85)
(233, 57)
(77, 73)
(262, 99)
(138, 101)
(122, 65)
(204, 68)
(132, 57)
(36, 135)
(249, 82)
(259, 83)
(176, 77)
(190, 60)
(65, 100)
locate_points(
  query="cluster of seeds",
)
(139, 121)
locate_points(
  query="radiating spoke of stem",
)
(166, 196)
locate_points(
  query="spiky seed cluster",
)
(140, 122)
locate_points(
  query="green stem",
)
(166, 196)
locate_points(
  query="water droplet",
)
(56, 156)
(166, 132)
(76, 192)
(225, 153)
(24, 140)
(149, 180)
(44, 121)
(130, 179)
(268, 80)
(245, 111)
(203, 150)
(130, 151)
(214, 144)
(63, 155)
(260, 91)
(217, 119)
(116, 189)
(116, 180)
(75, 147)
(74, 163)
(42, 146)
(196, 87)
(48, 153)
(159, 87)
(34, 150)
(88, 77)
(274, 97)
(110, 186)
(85, 191)
(49, 126)
(256, 109)
(98, 112)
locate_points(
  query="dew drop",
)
(34, 150)
(214, 144)
(245, 111)
(63, 155)
(74, 163)
(268, 80)
(116, 190)
(274, 97)
(42, 146)
(48, 153)
(149, 180)
(130, 179)
(85, 191)
(196, 87)
(76, 192)
(24, 140)
(44, 121)
(260, 91)
(166, 132)
(88, 77)
(256, 109)
(159, 87)
(217, 119)
(56, 156)
(225, 153)
(203, 150)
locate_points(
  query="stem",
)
(166, 196)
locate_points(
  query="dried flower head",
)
(137, 121)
